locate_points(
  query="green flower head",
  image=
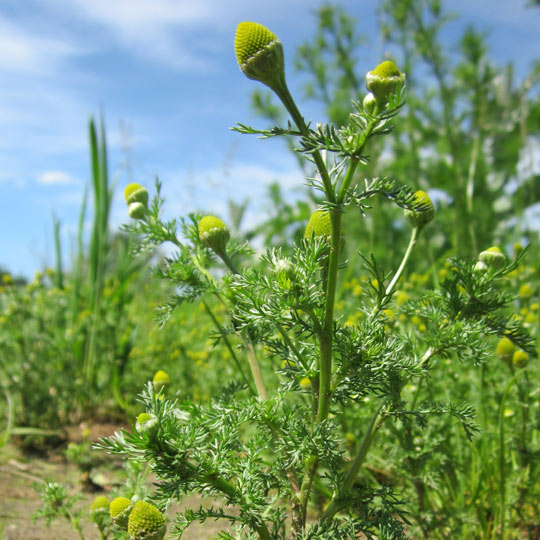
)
(214, 233)
(146, 522)
(119, 510)
(505, 349)
(520, 359)
(136, 210)
(259, 54)
(161, 379)
(319, 224)
(136, 193)
(147, 423)
(384, 80)
(99, 504)
(420, 218)
(493, 257)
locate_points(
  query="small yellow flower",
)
(305, 383)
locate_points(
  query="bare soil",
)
(19, 500)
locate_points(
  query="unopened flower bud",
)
(384, 80)
(99, 504)
(370, 103)
(480, 267)
(214, 233)
(520, 359)
(147, 423)
(505, 349)
(160, 380)
(136, 210)
(260, 54)
(493, 257)
(420, 218)
(136, 193)
(119, 510)
(319, 224)
(146, 522)
(525, 292)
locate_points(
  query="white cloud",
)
(56, 177)
(25, 52)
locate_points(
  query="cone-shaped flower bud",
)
(136, 210)
(493, 257)
(160, 380)
(421, 218)
(260, 54)
(319, 224)
(505, 349)
(214, 233)
(146, 522)
(520, 359)
(136, 193)
(119, 510)
(384, 80)
(99, 504)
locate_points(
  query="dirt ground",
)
(19, 500)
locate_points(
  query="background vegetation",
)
(80, 341)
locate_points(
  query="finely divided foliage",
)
(271, 449)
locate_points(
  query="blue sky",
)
(164, 74)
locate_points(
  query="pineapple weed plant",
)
(271, 449)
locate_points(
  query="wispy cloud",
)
(56, 177)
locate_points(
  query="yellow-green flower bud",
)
(493, 257)
(480, 267)
(136, 193)
(384, 80)
(370, 103)
(146, 522)
(99, 504)
(147, 423)
(505, 349)
(260, 54)
(119, 510)
(160, 380)
(520, 359)
(420, 218)
(525, 292)
(136, 210)
(319, 224)
(305, 383)
(214, 233)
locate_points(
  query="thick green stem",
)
(255, 368)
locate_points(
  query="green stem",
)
(338, 500)
(288, 101)
(228, 345)
(502, 471)
(255, 368)
(410, 247)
